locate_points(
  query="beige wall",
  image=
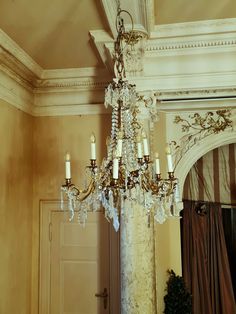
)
(32, 163)
(15, 210)
(53, 136)
(168, 249)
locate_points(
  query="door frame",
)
(46, 208)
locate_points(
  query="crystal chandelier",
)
(127, 177)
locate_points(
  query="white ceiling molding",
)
(194, 28)
(196, 94)
(101, 39)
(177, 69)
(20, 56)
(15, 93)
(74, 73)
(110, 8)
(193, 105)
(191, 44)
(142, 12)
(68, 110)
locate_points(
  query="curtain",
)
(213, 177)
(205, 262)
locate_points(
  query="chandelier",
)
(127, 177)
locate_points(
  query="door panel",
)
(79, 265)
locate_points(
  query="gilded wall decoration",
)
(198, 127)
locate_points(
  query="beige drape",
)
(213, 177)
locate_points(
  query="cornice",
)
(67, 110)
(69, 84)
(15, 94)
(194, 105)
(197, 44)
(82, 78)
(11, 48)
(194, 28)
(44, 92)
(189, 94)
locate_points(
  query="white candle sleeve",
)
(145, 147)
(170, 163)
(119, 147)
(115, 168)
(140, 151)
(67, 166)
(93, 147)
(157, 166)
(93, 151)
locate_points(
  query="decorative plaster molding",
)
(101, 39)
(74, 73)
(68, 110)
(183, 90)
(190, 105)
(197, 44)
(11, 47)
(68, 84)
(197, 127)
(195, 93)
(194, 28)
(15, 94)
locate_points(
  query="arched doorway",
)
(209, 184)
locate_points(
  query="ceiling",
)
(55, 33)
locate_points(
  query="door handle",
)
(104, 296)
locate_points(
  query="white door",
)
(76, 269)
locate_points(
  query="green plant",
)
(177, 300)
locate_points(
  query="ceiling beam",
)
(142, 12)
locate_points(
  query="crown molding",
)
(15, 93)
(191, 44)
(168, 86)
(68, 110)
(196, 94)
(74, 73)
(10, 48)
(194, 28)
(79, 78)
(179, 80)
(193, 105)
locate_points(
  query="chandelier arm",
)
(85, 193)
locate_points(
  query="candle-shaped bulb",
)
(93, 146)
(157, 164)
(93, 138)
(144, 134)
(168, 150)
(145, 143)
(169, 159)
(67, 157)
(67, 166)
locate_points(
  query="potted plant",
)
(177, 300)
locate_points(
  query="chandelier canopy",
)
(127, 177)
